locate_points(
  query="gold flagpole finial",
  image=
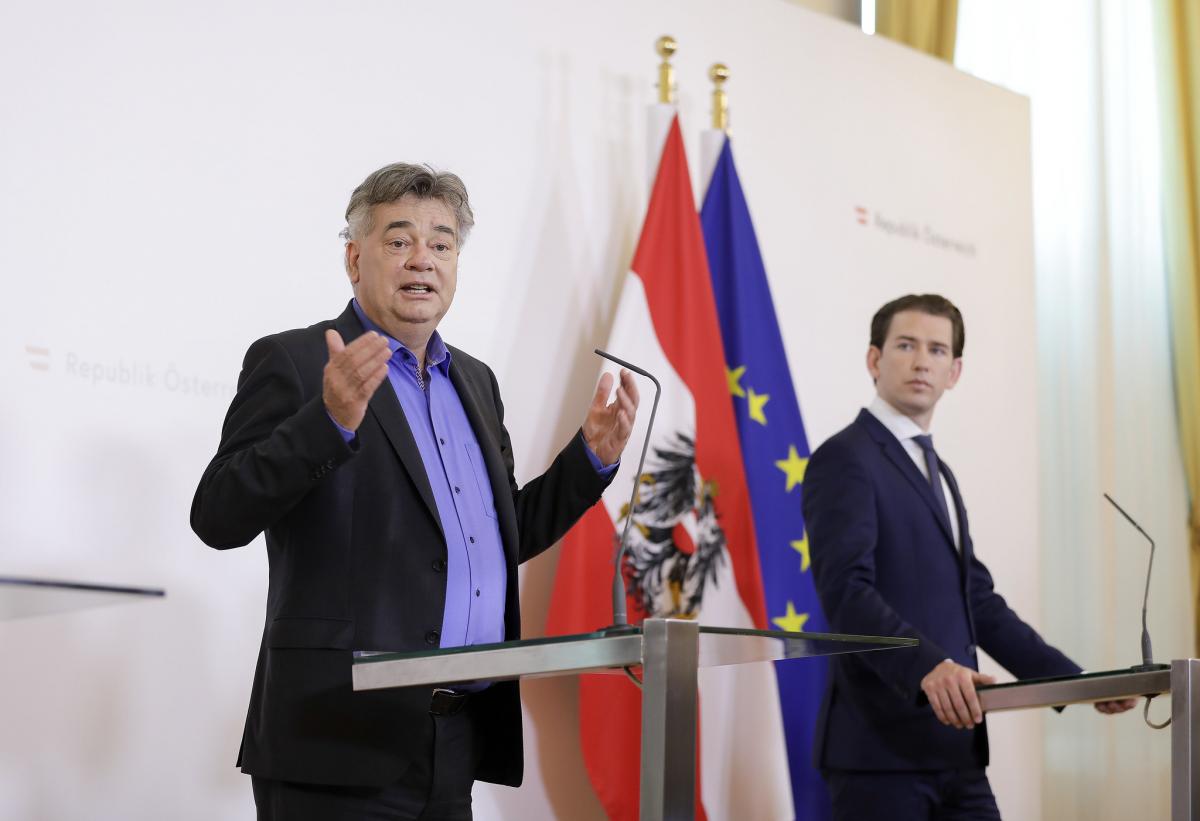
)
(665, 46)
(719, 73)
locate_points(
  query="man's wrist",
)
(597, 463)
(347, 434)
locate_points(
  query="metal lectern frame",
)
(1181, 680)
(670, 653)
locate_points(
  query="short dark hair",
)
(932, 304)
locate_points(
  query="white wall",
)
(171, 183)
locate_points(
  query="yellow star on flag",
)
(757, 400)
(792, 621)
(734, 377)
(801, 547)
(794, 466)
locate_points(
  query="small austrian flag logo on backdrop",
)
(39, 357)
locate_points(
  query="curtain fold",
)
(926, 25)
(1178, 35)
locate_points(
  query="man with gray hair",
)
(375, 459)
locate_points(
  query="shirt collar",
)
(901, 426)
(437, 355)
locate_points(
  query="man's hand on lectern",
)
(950, 688)
(1111, 708)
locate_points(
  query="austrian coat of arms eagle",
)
(676, 544)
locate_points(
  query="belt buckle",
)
(444, 702)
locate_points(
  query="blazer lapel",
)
(900, 458)
(483, 424)
(385, 407)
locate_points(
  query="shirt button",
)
(443, 441)
(970, 649)
(439, 565)
(432, 637)
(472, 538)
(476, 594)
(457, 489)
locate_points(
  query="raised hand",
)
(352, 375)
(607, 427)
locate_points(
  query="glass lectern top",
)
(22, 597)
(729, 645)
(1094, 675)
(365, 656)
(718, 645)
(598, 652)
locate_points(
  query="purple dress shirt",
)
(476, 576)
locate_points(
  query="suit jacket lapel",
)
(900, 458)
(484, 428)
(385, 407)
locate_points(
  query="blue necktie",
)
(935, 474)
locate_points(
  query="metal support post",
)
(670, 658)
(1185, 736)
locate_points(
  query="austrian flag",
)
(693, 552)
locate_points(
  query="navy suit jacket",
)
(885, 564)
(358, 560)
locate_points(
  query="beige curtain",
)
(926, 25)
(1178, 35)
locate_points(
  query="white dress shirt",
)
(904, 429)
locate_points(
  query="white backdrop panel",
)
(172, 179)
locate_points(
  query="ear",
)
(955, 373)
(352, 261)
(873, 355)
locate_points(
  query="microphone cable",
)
(1146, 717)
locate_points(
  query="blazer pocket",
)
(329, 634)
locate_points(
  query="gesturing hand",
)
(607, 426)
(352, 374)
(951, 691)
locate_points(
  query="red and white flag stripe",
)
(667, 322)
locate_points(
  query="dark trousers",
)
(435, 787)
(945, 795)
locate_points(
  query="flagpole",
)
(712, 140)
(665, 46)
(719, 73)
(663, 111)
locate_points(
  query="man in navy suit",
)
(901, 734)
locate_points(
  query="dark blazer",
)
(358, 560)
(885, 564)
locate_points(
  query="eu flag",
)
(775, 452)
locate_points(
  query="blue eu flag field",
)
(775, 451)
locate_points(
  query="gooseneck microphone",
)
(1147, 652)
(620, 617)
